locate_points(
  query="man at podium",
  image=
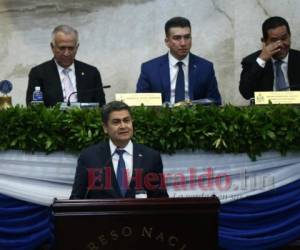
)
(118, 167)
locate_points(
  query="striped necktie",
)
(68, 86)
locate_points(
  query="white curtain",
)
(39, 178)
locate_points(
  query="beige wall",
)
(118, 35)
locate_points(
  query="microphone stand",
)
(86, 91)
(69, 98)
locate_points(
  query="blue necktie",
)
(280, 81)
(121, 176)
(179, 91)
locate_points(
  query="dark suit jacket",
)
(255, 78)
(45, 75)
(155, 77)
(95, 165)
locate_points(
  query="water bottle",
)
(37, 95)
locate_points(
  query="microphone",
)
(289, 87)
(84, 91)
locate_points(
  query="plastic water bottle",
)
(37, 95)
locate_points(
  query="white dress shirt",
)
(173, 76)
(127, 156)
(284, 68)
(72, 76)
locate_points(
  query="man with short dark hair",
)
(63, 75)
(179, 75)
(276, 66)
(118, 167)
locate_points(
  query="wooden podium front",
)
(133, 224)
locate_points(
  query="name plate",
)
(277, 97)
(137, 99)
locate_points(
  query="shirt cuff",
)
(261, 62)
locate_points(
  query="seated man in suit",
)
(274, 67)
(118, 167)
(179, 75)
(63, 75)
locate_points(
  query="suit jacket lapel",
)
(192, 75)
(137, 158)
(55, 81)
(79, 74)
(269, 76)
(107, 162)
(137, 168)
(79, 79)
(165, 78)
(292, 70)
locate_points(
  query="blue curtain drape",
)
(23, 226)
(265, 221)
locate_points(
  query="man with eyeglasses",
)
(60, 77)
(179, 75)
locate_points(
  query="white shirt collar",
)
(128, 149)
(60, 68)
(173, 61)
(285, 59)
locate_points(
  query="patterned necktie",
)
(179, 91)
(280, 83)
(68, 86)
(121, 172)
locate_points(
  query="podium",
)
(156, 223)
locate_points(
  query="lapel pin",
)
(82, 73)
(140, 155)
